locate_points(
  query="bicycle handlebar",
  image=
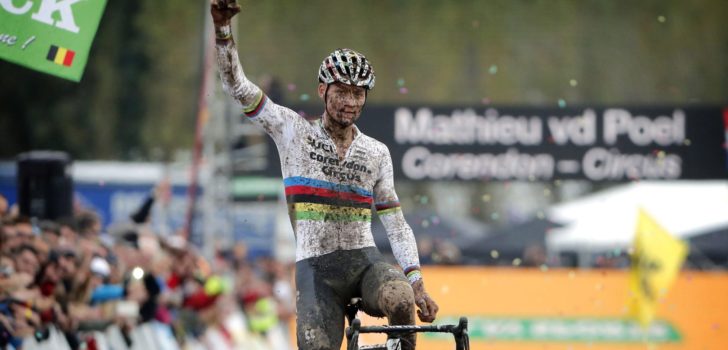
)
(448, 328)
(460, 332)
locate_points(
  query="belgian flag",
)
(61, 55)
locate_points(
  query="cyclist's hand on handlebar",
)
(223, 11)
(427, 307)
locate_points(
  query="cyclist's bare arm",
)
(401, 237)
(273, 118)
(234, 80)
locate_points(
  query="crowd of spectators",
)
(74, 282)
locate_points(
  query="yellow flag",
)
(656, 261)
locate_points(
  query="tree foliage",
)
(138, 97)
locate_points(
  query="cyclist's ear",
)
(322, 90)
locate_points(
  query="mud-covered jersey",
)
(330, 200)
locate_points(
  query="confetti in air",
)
(573, 82)
(516, 262)
(305, 97)
(494, 254)
(424, 200)
(400, 82)
(403, 90)
(562, 103)
(291, 87)
(493, 69)
(661, 19)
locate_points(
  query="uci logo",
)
(320, 145)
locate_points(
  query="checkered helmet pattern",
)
(349, 67)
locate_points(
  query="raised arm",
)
(279, 122)
(231, 72)
(401, 237)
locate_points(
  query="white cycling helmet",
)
(347, 66)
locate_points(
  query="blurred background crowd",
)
(75, 284)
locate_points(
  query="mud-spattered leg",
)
(320, 313)
(386, 292)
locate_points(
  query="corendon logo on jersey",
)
(356, 166)
(341, 175)
(323, 159)
(351, 165)
(342, 171)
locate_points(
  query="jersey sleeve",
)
(400, 234)
(276, 120)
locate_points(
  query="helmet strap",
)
(326, 99)
(326, 95)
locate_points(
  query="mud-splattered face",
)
(343, 102)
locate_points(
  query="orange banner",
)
(532, 309)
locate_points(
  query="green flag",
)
(51, 36)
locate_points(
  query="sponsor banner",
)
(546, 144)
(575, 330)
(116, 202)
(597, 144)
(581, 308)
(536, 309)
(49, 36)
